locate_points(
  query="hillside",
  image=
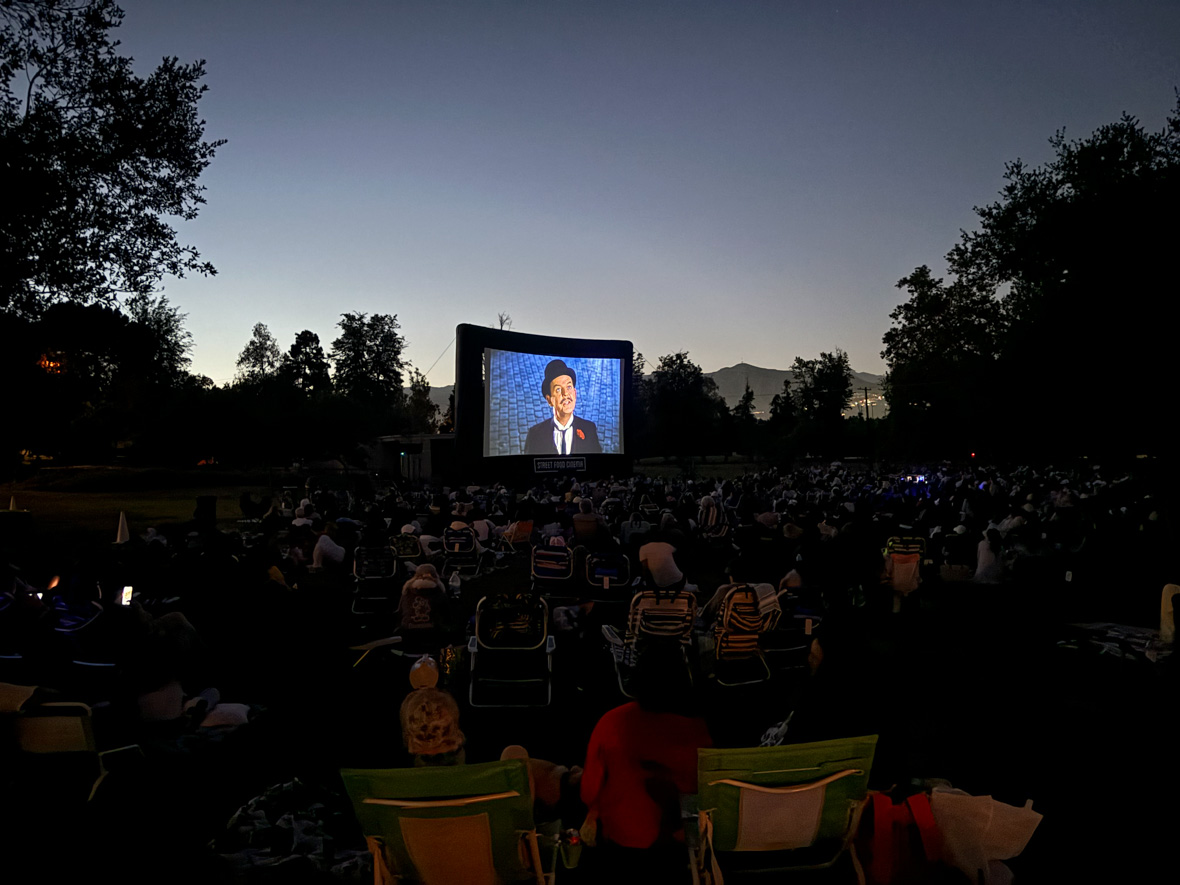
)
(766, 383)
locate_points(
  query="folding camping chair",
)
(552, 569)
(786, 643)
(449, 824)
(903, 566)
(461, 552)
(511, 652)
(408, 550)
(61, 766)
(654, 617)
(519, 533)
(375, 571)
(609, 576)
(777, 809)
(649, 509)
(736, 638)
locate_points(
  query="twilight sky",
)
(741, 180)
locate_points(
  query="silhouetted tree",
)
(639, 428)
(743, 422)
(823, 387)
(368, 367)
(686, 412)
(940, 350)
(167, 342)
(447, 422)
(422, 412)
(95, 159)
(782, 405)
(822, 390)
(1078, 253)
(305, 366)
(260, 358)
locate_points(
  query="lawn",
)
(72, 507)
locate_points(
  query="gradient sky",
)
(743, 180)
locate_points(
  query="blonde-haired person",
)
(430, 728)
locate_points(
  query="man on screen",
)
(563, 434)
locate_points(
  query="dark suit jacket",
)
(540, 439)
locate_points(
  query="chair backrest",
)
(784, 798)
(607, 570)
(61, 761)
(552, 563)
(461, 541)
(769, 606)
(374, 562)
(739, 623)
(519, 532)
(904, 571)
(447, 824)
(906, 544)
(62, 727)
(406, 546)
(512, 620)
(657, 615)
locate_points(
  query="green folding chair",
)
(464, 823)
(776, 809)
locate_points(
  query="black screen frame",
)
(471, 397)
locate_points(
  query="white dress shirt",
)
(563, 435)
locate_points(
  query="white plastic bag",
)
(977, 831)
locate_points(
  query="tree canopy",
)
(367, 361)
(96, 160)
(686, 413)
(260, 357)
(1068, 274)
(305, 365)
(823, 386)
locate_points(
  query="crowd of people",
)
(820, 538)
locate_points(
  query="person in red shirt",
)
(641, 759)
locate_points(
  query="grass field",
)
(72, 507)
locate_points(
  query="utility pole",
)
(867, 416)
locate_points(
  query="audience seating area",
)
(237, 719)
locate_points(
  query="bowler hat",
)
(556, 369)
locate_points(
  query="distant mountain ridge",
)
(766, 384)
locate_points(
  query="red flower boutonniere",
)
(580, 434)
